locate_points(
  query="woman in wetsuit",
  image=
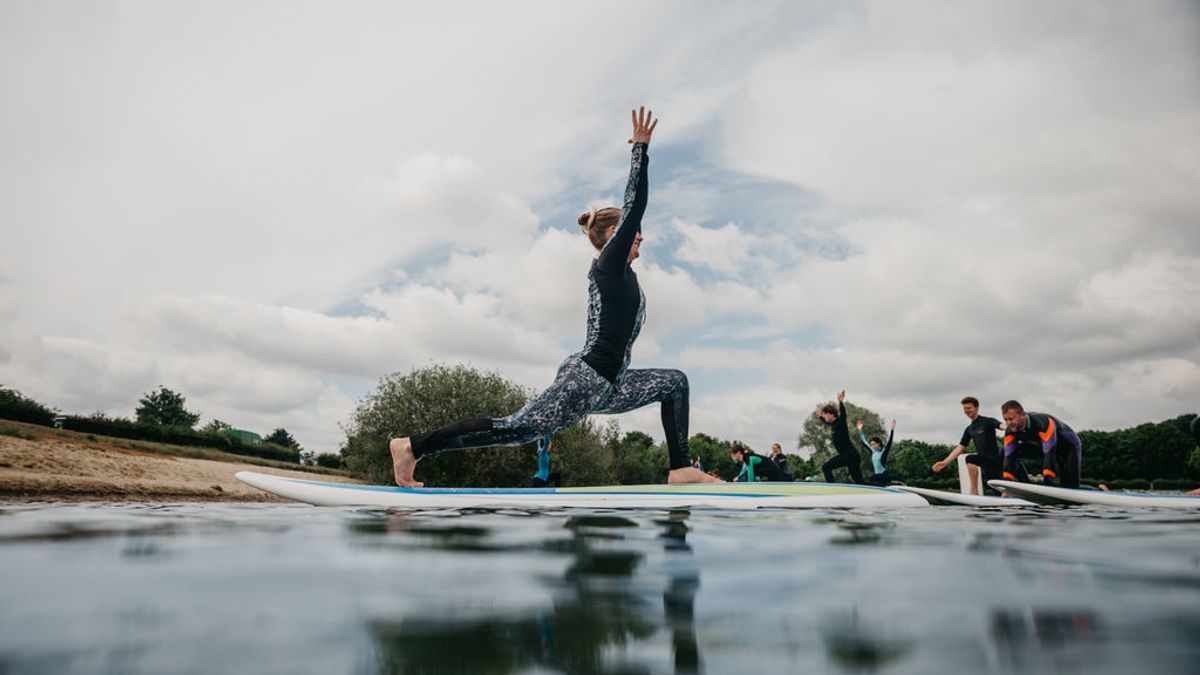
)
(847, 455)
(597, 379)
(879, 454)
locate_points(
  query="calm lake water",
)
(219, 588)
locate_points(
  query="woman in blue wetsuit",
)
(597, 379)
(879, 454)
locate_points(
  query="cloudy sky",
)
(267, 206)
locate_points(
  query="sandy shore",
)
(53, 466)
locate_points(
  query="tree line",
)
(162, 416)
(1159, 454)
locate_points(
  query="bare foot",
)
(403, 462)
(690, 474)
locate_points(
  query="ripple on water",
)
(294, 589)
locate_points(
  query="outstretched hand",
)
(938, 466)
(893, 425)
(858, 423)
(643, 125)
(841, 395)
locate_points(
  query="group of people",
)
(598, 380)
(1027, 435)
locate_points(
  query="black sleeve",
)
(966, 437)
(887, 448)
(841, 420)
(616, 251)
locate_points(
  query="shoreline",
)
(38, 464)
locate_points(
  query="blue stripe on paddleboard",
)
(690, 490)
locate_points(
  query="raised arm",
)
(887, 448)
(615, 253)
(862, 437)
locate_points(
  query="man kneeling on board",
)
(755, 467)
(982, 432)
(1027, 433)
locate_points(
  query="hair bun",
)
(584, 218)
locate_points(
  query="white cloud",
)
(270, 209)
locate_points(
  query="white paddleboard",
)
(712, 495)
(945, 498)
(1044, 494)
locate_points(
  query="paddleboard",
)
(711, 495)
(1044, 494)
(945, 498)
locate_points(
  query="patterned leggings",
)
(577, 391)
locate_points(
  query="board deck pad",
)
(1047, 494)
(946, 498)
(711, 495)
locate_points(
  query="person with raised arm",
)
(847, 455)
(597, 379)
(879, 454)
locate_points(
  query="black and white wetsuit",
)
(597, 379)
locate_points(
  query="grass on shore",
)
(35, 432)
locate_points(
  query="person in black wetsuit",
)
(781, 461)
(597, 379)
(755, 467)
(847, 455)
(987, 458)
(1040, 435)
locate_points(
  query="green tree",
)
(816, 435)
(165, 408)
(636, 459)
(580, 455)
(1193, 464)
(911, 461)
(331, 461)
(423, 400)
(714, 454)
(281, 437)
(216, 427)
(15, 406)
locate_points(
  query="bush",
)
(331, 461)
(423, 400)
(1134, 484)
(15, 406)
(123, 428)
(1174, 484)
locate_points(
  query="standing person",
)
(781, 461)
(847, 455)
(755, 467)
(987, 458)
(879, 454)
(597, 379)
(1028, 433)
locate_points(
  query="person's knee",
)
(679, 380)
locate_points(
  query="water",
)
(219, 588)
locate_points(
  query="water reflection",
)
(602, 608)
(1062, 638)
(861, 646)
